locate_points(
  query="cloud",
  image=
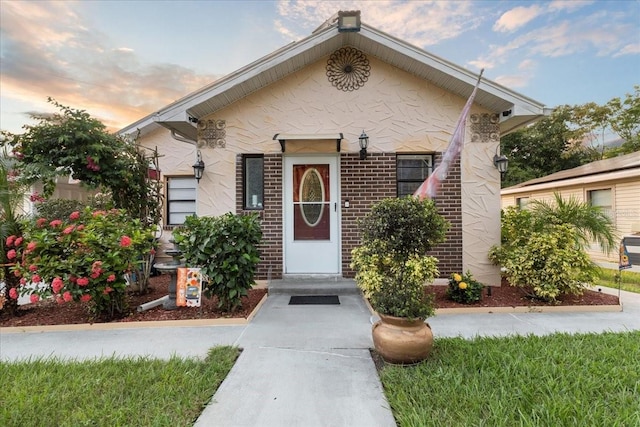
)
(421, 23)
(516, 18)
(568, 5)
(526, 71)
(49, 51)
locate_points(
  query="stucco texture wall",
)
(399, 112)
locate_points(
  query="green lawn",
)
(629, 280)
(557, 380)
(110, 392)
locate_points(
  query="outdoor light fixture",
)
(349, 21)
(501, 163)
(363, 140)
(198, 167)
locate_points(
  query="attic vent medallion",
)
(485, 127)
(348, 69)
(212, 133)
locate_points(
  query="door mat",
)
(314, 299)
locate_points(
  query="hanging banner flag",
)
(625, 262)
(189, 287)
(430, 186)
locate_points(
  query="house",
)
(281, 137)
(613, 184)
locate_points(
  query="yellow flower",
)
(457, 277)
(462, 285)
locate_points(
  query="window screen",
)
(412, 170)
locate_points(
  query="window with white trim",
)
(603, 199)
(411, 171)
(181, 199)
(253, 181)
(522, 202)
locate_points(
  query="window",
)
(522, 202)
(181, 199)
(412, 170)
(603, 199)
(253, 181)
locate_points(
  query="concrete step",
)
(313, 286)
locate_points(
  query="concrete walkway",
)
(301, 365)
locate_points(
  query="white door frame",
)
(311, 257)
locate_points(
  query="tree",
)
(71, 142)
(11, 194)
(550, 145)
(625, 121)
(561, 141)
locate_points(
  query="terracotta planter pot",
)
(399, 340)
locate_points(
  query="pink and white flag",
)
(430, 186)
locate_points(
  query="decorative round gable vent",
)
(348, 69)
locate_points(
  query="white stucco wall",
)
(399, 112)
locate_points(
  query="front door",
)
(311, 237)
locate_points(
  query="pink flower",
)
(67, 296)
(10, 240)
(34, 298)
(31, 246)
(68, 230)
(33, 268)
(152, 251)
(80, 227)
(13, 294)
(83, 281)
(18, 241)
(55, 223)
(96, 265)
(41, 222)
(17, 273)
(107, 290)
(59, 299)
(73, 279)
(95, 274)
(111, 278)
(57, 284)
(125, 241)
(11, 254)
(35, 197)
(74, 215)
(35, 279)
(85, 298)
(23, 281)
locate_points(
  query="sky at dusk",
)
(123, 60)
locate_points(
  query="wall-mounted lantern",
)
(198, 167)
(363, 140)
(501, 163)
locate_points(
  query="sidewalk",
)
(301, 365)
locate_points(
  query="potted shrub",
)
(392, 269)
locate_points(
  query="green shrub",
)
(464, 288)
(62, 208)
(226, 248)
(391, 264)
(549, 262)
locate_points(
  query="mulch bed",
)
(50, 313)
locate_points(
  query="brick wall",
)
(362, 182)
(365, 182)
(271, 262)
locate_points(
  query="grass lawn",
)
(629, 280)
(557, 380)
(110, 392)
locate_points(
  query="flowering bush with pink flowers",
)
(82, 258)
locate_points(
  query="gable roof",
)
(620, 166)
(180, 116)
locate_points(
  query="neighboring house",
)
(280, 137)
(613, 184)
